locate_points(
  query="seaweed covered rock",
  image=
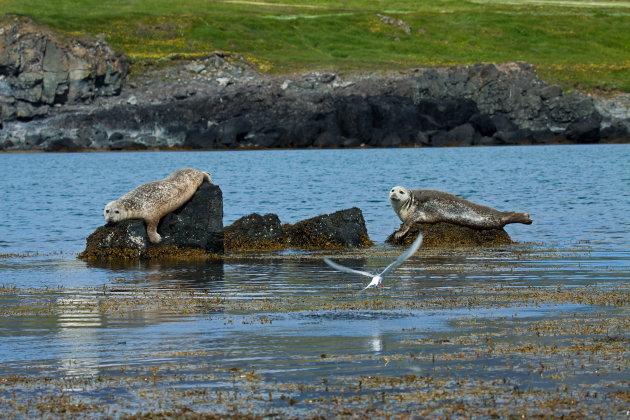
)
(344, 228)
(450, 235)
(193, 230)
(255, 232)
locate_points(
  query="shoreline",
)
(213, 104)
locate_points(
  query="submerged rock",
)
(193, 230)
(450, 235)
(342, 229)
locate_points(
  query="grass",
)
(575, 43)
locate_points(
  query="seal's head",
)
(399, 196)
(114, 212)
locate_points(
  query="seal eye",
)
(106, 211)
(402, 192)
(116, 212)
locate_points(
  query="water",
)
(281, 332)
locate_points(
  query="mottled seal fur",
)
(431, 206)
(154, 200)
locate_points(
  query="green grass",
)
(575, 43)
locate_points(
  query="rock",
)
(395, 115)
(42, 68)
(551, 91)
(344, 228)
(255, 232)
(615, 132)
(127, 144)
(201, 138)
(93, 136)
(518, 136)
(449, 235)
(63, 144)
(419, 108)
(354, 115)
(193, 230)
(447, 113)
(198, 223)
(584, 130)
(328, 138)
(502, 123)
(233, 131)
(484, 124)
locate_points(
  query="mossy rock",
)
(342, 229)
(128, 241)
(453, 236)
(255, 232)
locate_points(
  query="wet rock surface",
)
(255, 232)
(222, 102)
(341, 229)
(450, 235)
(193, 230)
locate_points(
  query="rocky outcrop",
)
(220, 103)
(342, 229)
(40, 69)
(449, 235)
(194, 230)
(255, 232)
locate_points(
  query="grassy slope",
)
(573, 42)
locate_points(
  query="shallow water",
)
(283, 334)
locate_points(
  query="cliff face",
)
(220, 103)
(39, 69)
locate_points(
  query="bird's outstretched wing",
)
(404, 256)
(346, 269)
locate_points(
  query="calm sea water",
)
(578, 198)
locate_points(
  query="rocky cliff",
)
(220, 103)
(40, 69)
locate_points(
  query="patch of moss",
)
(168, 252)
(235, 242)
(94, 254)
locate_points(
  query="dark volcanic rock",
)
(198, 223)
(585, 130)
(449, 235)
(421, 107)
(447, 113)
(39, 68)
(193, 230)
(344, 228)
(255, 232)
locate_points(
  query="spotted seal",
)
(154, 200)
(431, 206)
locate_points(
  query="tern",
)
(377, 279)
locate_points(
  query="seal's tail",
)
(515, 217)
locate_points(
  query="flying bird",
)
(377, 279)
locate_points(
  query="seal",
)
(154, 200)
(432, 206)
